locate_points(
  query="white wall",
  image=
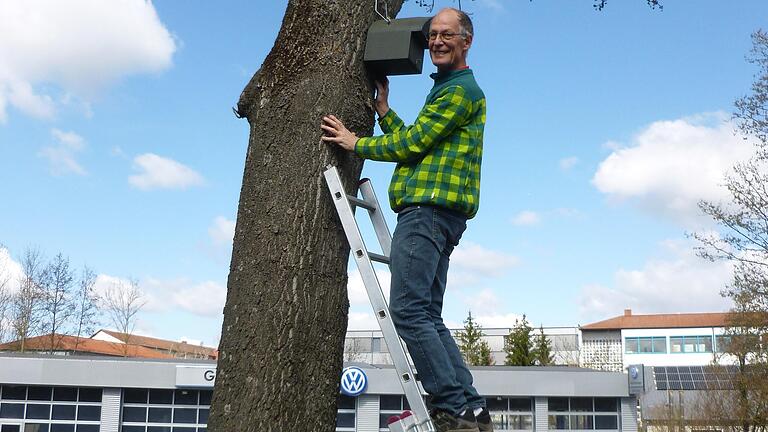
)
(670, 359)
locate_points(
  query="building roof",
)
(165, 345)
(679, 320)
(84, 345)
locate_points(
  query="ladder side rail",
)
(376, 296)
(377, 218)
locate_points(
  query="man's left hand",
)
(338, 133)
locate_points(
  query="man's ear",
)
(467, 42)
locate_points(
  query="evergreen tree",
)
(518, 345)
(474, 349)
(542, 348)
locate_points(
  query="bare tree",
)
(26, 304)
(5, 301)
(743, 240)
(86, 304)
(57, 286)
(122, 303)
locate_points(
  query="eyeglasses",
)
(445, 36)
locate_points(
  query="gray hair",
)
(465, 23)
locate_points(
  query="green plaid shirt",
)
(438, 157)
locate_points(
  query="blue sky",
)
(118, 148)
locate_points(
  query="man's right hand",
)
(382, 96)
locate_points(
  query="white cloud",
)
(526, 218)
(202, 298)
(568, 163)
(498, 320)
(671, 165)
(205, 298)
(157, 172)
(10, 271)
(356, 290)
(62, 156)
(683, 282)
(471, 262)
(362, 321)
(80, 46)
(222, 231)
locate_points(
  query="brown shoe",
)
(447, 422)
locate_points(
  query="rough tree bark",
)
(286, 311)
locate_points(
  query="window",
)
(12, 410)
(558, 404)
(582, 422)
(34, 403)
(606, 405)
(159, 415)
(646, 345)
(579, 413)
(135, 395)
(185, 397)
(39, 393)
(66, 394)
(345, 420)
(558, 422)
(158, 410)
(184, 415)
(38, 411)
(690, 344)
(510, 414)
(89, 394)
(722, 342)
(581, 404)
(606, 422)
(390, 405)
(89, 412)
(63, 412)
(14, 392)
(135, 414)
(158, 396)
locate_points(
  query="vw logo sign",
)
(353, 381)
(634, 372)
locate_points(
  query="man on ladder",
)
(435, 188)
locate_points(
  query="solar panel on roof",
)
(692, 377)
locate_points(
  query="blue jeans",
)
(421, 246)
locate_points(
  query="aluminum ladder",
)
(419, 420)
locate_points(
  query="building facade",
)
(690, 339)
(368, 345)
(89, 394)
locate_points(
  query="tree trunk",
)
(286, 311)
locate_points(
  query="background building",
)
(686, 339)
(40, 393)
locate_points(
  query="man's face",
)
(448, 54)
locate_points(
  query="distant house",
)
(112, 343)
(681, 339)
(62, 344)
(175, 349)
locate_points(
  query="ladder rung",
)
(378, 258)
(361, 203)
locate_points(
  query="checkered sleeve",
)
(437, 120)
(391, 122)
